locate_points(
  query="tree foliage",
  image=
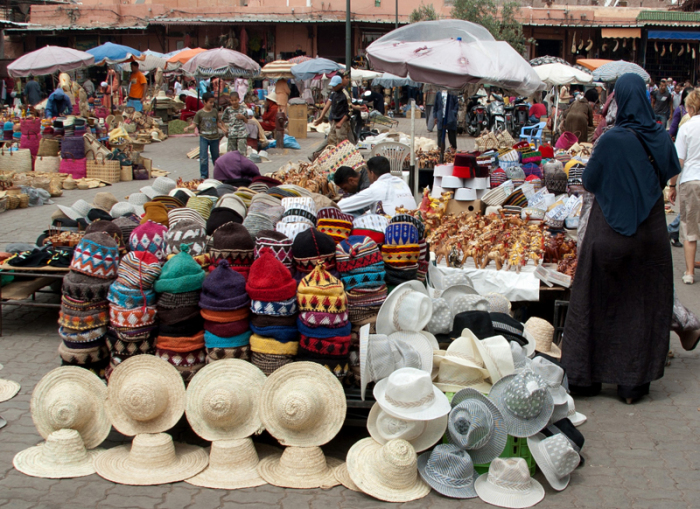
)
(424, 13)
(503, 26)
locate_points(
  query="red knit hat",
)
(547, 151)
(270, 280)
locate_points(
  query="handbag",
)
(101, 112)
(566, 140)
(73, 145)
(30, 126)
(47, 164)
(31, 142)
(48, 147)
(109, 171)
(126, 173)
(16, 161)
(73, 167)
(139, 173)
(92, 143)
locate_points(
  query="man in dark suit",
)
(445, 114)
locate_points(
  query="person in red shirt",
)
(192, 106)
(269, 117)
(537, 111)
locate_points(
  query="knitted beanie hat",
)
(149, 237)
(177, 215)
(233, 202)
(126, 225)
(532, 169)
(201, 204)
(110, 229)
(312, 247)
(169, 202)
(299, 210)
(357, 253)
(180, 274)
(320, 291)
(138, 269)
(224, 290)
(220, 216)
(406, 218)
(333, 222)
(371, 225)
(276, 242)
(96, 255)
(186, 232)
(85, 288)
(498, 177)
(233, 243)
(270, 280)
(398, 234)
(155, 212)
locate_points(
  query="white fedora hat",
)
(301, 468)
(145, 395)
(233, 464)
(476, 425)
(407, 308)
(453, 376)
(575, 417)
(498, 359)
(520, 358)
(553, 375)
(441, 319)
(160, 187)
(422, 435)
(463, 350)
(386, 472)
(79, 209)
(62, 456)
(303, 404)
(449, 470)
(208, 184)
(409, 393)
(524, 402)
(440, 280)
(233, 202)
(223, 400)
(8, 389)
(71, 397)
(556, 458)
(462, 298)
(508, 484)
(410, 344)
(152, 458)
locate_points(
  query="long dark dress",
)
(619, 317)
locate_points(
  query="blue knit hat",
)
(130, 298)
(224, 290)
(180, 274)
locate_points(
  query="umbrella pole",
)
(414, 170)
(556, 112)
(441, 143)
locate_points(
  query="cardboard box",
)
(472, 207)
(419, 113)
(297, 128)
(297, 111)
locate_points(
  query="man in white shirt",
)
(391, 191)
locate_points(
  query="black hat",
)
(224, 189)
(239, 182)
(211, 191)
(100, 214)
(479, 322)
(509, 328)
(182, 196)
(270, 234)
(220, 216)
(312, 244)
(184, 329)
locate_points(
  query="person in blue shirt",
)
(58, 104)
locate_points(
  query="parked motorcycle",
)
(359, 117)
(496, 110)
(517, 116)
(477, 118)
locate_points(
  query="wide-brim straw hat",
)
(301, 468)
(223, 400)
(343, 476)
(233, 464)
(8, 389)
(387, 472)
(62, 456)
(429, 435)
(145, 395)
(303, 404)
(543, 333)
(71, 397)
(151, 459)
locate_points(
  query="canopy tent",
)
(391, 81)
(279, 69)
(48, 60)
(453, 54)
(221, 63)
(182, 57)
(313, 67)
(560, 74)
(110, 53)
(592, 63)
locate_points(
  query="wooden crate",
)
(297, 128)
(297, 111)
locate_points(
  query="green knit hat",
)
(180, 274)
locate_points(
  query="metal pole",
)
(414, 170)
(396, 89)
(396, 24)
(348, 38)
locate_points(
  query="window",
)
(377, 3)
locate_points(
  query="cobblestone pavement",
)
(644, 455)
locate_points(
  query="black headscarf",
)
(619, 173)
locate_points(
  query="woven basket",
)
(47, 164)
(103, 169)
(12, 202)
(23, 201)
(126, 173)
(3, 204)
(17, 161)
(495, 196)
(48, 147)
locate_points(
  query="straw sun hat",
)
(63, 455)
(151, 459)
(145, 395)
(303, 404)
(8, 389)
(71, 397)
(223, 400)
(386, 472)
(301, 468)
(343, 476)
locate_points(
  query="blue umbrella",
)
(110, 53)
(307, 70)
(391, 81)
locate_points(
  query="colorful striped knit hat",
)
(187, 232)
(320, 291)
(96, 255)
(202, 204)
(333, 222)
(356, 254)
(149, 237)
(498, 177)
(276, 242)
(398, 234)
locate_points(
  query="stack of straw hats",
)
(84, 314)
(311, 248)
(276, 242)
(181, 343)
(324, 327)
(132, 308)
(273, 291)
(233, 243)
(225, 308)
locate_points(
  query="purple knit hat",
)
(149, 237)
(224, 290)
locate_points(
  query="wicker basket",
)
(495, 196)
(3, 204)
(100, 168)
(23, 201)
(12, 202)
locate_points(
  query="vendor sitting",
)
(233, 166)
(351, 181)
(391, 191)
(58, 104)
(269, 118)
(192, 106)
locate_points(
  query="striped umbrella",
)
(299, 60)
(613, 70)
(278, 69)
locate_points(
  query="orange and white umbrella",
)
(278, 69)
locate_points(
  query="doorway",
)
(548, 48)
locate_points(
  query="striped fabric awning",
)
(277, 69)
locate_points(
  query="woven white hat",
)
(575, 417)
(508, 484)
(145, 395)
(208, 184)
(223, 400)
(386, 472)
(343, 476)
(291, 230)
(441, 280)
(233, 202)
(71, 397)
(498, 359)
(151, 459)
(407, 308)
(453, 376)
(520, 359)
(409, 344)
(8, 389)
(138, 199)
(556, 458)
(122, 208)
(409, 393)
(463, 350)
(233, 464)
(524, 402)
(62, 456)
(188, 192)
(303, 404)
(79, 209)
(301, 468)
(553, 375)
(422, 435)
(461, 297)
(160, 187)
(449, 470)
(441, 320)
(543, 332)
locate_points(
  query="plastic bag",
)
(289, 142)
(37, 197)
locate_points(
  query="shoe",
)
(676, 243)
(689, 339)
(688, 279)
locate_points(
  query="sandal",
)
(688, 279)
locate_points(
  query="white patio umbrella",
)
(556, 74)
